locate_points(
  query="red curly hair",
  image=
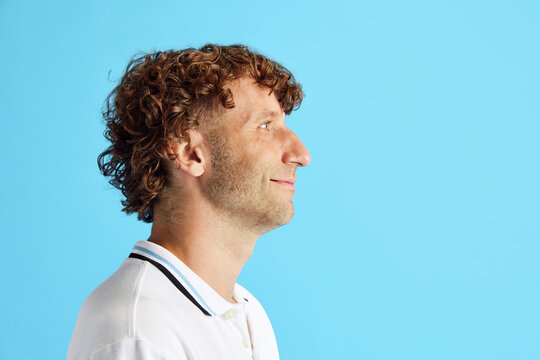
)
(164, 94)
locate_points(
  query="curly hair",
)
(164, 94)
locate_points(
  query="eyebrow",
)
(267, 115)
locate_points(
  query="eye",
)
(265, 126)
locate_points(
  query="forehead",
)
(251, 101)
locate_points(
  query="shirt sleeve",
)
(133, 349)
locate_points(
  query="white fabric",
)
(139, 314)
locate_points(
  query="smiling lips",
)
(287, 183)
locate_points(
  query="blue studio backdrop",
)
(417, 224)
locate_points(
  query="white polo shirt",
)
(155, 307)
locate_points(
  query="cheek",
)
(259, 158)
(257, 171)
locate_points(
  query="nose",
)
(295, 151)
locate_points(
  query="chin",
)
(285, 216)
(275, 219)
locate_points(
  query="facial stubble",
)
(238, 189)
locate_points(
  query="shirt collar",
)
(195, 289)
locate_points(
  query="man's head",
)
(234, 102)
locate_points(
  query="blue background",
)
(416, 234)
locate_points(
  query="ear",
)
(189, 154)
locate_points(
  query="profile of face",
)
(254, 157)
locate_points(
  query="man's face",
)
(254, 158)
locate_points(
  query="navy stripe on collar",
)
(173, 279)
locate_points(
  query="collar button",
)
(230, 314)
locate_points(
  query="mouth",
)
(286, 183)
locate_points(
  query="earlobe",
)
(196, 162)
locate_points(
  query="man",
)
(199, 147)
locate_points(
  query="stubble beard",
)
(239, 190)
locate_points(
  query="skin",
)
(229, 184)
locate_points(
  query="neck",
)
(211, 246)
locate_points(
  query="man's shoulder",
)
(128, 305)
(115, 299)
